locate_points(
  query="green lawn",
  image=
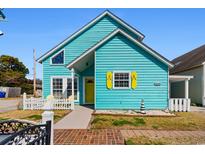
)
(142, 140)
(32, 115)
(182, 121)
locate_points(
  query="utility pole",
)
(34, 72)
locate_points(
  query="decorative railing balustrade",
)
(179, 104)
(23, 133)
(12, 126)
(45, 104)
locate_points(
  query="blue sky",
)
(171, 32)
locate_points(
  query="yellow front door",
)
(89, 90)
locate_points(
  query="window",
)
(58, 87)
(58, 59)
(121, 80)
(62, 87)
(69, 88)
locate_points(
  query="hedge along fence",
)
(11, 91)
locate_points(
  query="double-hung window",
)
(57, 87)
(121, 80)
(69, 88)
(62, 87)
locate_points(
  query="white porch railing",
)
(43, 104)
(179, 104)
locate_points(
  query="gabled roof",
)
(189, 60)
(117, 19)
(109, 36)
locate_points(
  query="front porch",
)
(83, 69)
(179, 98)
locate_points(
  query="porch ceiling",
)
(84, 62)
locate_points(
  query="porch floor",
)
(77, 119)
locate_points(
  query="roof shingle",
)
(189, 60)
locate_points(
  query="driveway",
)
(77, 119)
(9, 104)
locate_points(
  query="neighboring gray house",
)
(191, 63)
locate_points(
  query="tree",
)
(9, 63)
(12, 71)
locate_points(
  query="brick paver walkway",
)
(113, 136)
(88, 137)
(160, 133)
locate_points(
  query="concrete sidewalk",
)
(197, 109)
(77, 119)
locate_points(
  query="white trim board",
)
(183, 77)
(126, 35)
(86, 27)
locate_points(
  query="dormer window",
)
(58, 59)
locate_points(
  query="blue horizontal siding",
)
(76, 47)
(119, 54)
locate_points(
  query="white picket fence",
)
(179, 104)
(47, 104)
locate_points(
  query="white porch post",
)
(73, 78)
(187, 89)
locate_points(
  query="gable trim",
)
(86, 27)
(146, 48)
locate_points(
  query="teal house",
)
(106, 64)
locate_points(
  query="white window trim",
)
(63, 50)
(113, 80)
(64, 85)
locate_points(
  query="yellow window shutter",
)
(109, 80)
(134, 80)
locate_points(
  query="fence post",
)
(49, 116)
(171, 104)
(72, 105)
(24, 101)
(188, 105)
(180, 105)
(184, 105)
